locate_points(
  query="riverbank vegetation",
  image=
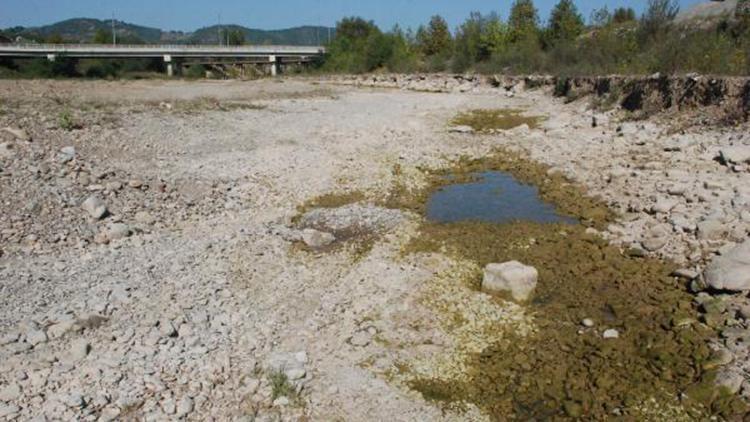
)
(616, 41)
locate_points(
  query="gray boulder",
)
(510, 277)
(730, 271)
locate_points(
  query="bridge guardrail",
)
(167, 48)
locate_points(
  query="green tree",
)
(657, 17)
(102, 37)
(523, 21)
(622, 15)
(436, 39)
(565, 22)
(477, 39)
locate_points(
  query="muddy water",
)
(493, 197)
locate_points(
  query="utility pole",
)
(219, 30)
(114, 33)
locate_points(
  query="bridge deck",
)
(176, 51)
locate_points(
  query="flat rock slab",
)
(739, 154)
(351, 220)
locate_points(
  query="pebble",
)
(7, 410)
(35, 337)
(96, 208)
(587, 322)
(611, 334)
(185, 406)
(79, 349)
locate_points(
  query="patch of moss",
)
(331, 200)
(580, 276)
(487, 120)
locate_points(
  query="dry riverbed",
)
(258, 251)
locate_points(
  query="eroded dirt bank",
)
(197, 294)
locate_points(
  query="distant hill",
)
(83, 30)
(303, 35)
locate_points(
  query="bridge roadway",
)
(272, 54)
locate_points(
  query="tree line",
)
(617, 41)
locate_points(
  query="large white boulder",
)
(510, 277)
(730, 271)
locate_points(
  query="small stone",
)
(685, 273)
(66, 154)
(6, 150)
(95, 207)
(7, 410)
(169, 406)
(135, 184)
(35, 337)
(74, 400)
(711, 230)
(718, 359)
(167, 329)
(655, 243)
(664, 206)
(729, 381)
(317, 239)
(744, 312)
(144, 217)
(295, 374)
(9, 338)
(739, 154)
(587, 322)
(113, 186)
(611, 334)
(510, 277)
(117, 231)
(10, 393)
(360, 339)
(185, 406)
(79, 350)
(281, 401)
(461, 129)
(20, 134)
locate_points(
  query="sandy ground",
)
(189, 314)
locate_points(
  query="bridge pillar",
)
(170, 66)
(274, 65)
(51, 57)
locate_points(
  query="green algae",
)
(488, 120)
(539, 376)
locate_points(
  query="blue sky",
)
(193, 14)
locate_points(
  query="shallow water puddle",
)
(491, 197)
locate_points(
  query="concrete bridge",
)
(273, 55)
